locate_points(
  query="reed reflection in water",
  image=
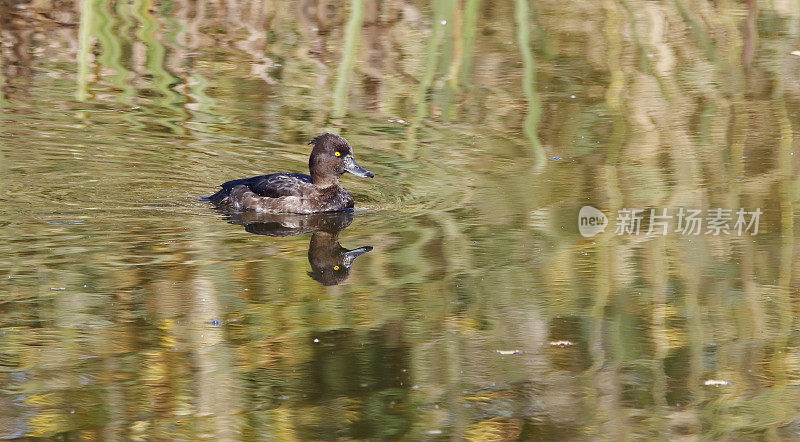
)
(130, 310)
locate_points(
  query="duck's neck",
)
(322, 240)
(324, 179)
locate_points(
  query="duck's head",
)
(331, 157)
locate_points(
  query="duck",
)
(298, 193)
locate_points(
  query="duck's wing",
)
(274, 185)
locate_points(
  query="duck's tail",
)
(218, 198)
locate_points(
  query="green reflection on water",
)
(348, 51)
(131, 310)
(87, 18)
(529, 80)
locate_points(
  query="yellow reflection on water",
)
(130, 309)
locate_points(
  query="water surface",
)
(130, 309)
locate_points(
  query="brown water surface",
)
(459, 300)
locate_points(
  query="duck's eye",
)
(336, 267)
(338, 154)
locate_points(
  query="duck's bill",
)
(351, 166)
(351, 255)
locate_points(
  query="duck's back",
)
(274, 185)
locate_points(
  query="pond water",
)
(462, 299)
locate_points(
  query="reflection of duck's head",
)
(330, 262)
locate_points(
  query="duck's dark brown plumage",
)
(295, 192)
(274, 185)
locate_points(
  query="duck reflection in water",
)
(330, 262)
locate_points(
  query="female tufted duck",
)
(295, 192)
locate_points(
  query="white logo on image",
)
(591, 221)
